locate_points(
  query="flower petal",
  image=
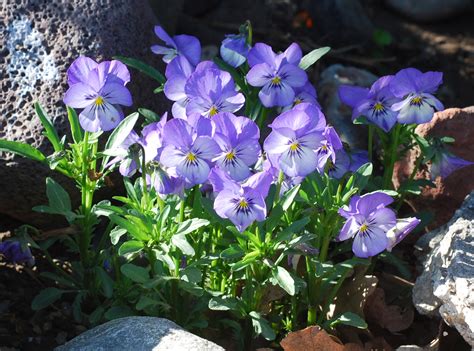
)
(115, 93)
(189, 46)
(79, 70)
(276, 95)
(352, 95)
(370, 202)
(368, 245)
(259, 75)
(261, 53)
(80, 95)
(293, 75)
(299, 163)
(89, 119)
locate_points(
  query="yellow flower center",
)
(363, 228)
(190, 157)
(99, 101)
(298, 101)
(378, 107)
(294, 146)
(324, 147)
(276, 80)
(230, 156)
(243, 204)
(417, 100)
(213, 111)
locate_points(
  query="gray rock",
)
(39, 39)
(138, 334)
(341, 21)
(430, 10)
(338, 114)
(447, 282)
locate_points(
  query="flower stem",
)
(393, 157)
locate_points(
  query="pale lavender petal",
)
(383, 218)
(189, 46)
(171, 156)
(196, 172)
(109, 116)
(403, 227)
(119, 70)
(89, 120)
(429, 82)
(260, 182)
(299, 163)
(79, 70)
(370, 202)
(276, 95)
(220, 180)
(206, 148)
(293, 75)
(349, 229)
(404, 82)
(293, 54)
(115, 93)
(259, 75)
(161, 33)
(261, 53)
(177, 132)
(370, 244)
(80, 95)
(352, 95)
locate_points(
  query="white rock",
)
(447, 282)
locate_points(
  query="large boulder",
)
(138, 334)
(446, 285)
(39, 39)
(430, 10)
(338, 114)
(450, 192)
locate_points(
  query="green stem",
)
(281, 177)
(181, 211)
(262, 118)
(371, 141)
(393, 157)
(312, 292)
(323, 254)
(412, 176)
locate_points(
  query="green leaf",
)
(49, 130)
(22, 149)
(362, 176)
(311, 58)
(145, 302)
(96, 315)
(142, 67)
(382, 38)
(232, 252)
(130, 247)
(223, 304)
(287, 233)
(191, 225)
(165, 258)
(46, 297)
(349, 318)
(115, 312)
(179, 240)
(119, 134)
(284, 279)
(149, 115)
(191, 275)
(246, 260)
(59, 279)
(262, 326)
(58, 197)
(106, 282)
(132, 229)
(76, 131)
(135, 273)
(116, 234)
(289, 197)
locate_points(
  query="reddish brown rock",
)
(449, 193)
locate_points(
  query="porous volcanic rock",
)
(39, 39)
(430, 10)
(450, 192)
(446, 284)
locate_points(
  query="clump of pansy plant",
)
(226, 193)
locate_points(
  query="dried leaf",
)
(310, 339)
(390, 317)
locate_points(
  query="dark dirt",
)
(446, 46)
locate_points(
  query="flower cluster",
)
(405, 98)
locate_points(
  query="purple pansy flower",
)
(374, 103)
(180, 45)
(99, 92)
(327, 147)
(368, 221)
(416, 89)
(211, 90)
(341, 166)
(187, 151)
(278, 75)
(164, 181)
(306, 93)
(358, 159)
(242, 203)
(14, 252)
(401, 229)
(295, 137)
(126, 156)
(238, 139)
(444, 163)
(177, 73)
(234, 49)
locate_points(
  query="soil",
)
(446, 46)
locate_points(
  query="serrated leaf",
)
(311, 58)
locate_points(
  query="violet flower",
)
(416, 89)
(234, 50)
(295, 137)
(243, 203)
(179, 45)
(368, 221)
(341, 165)
(444, 163)
(211, 90)
(401, 229)
(278, 75)
(327, 147)
(187, 151)
(358, 159)
(238, 139)
(164, 181)
(99, 92)
(177, 73)
(374, 103)
(14, 252)
(306, 93)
